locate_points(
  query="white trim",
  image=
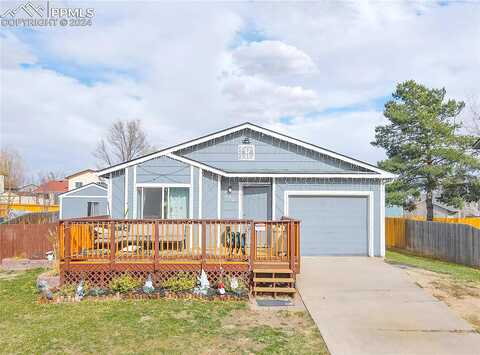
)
(60, 213)
(135, 192)
(368, 194)
(125, 213)
(240, 193)
(86, 197)
(382, 173)
(110, 195)
(219, 197)
(382, 219)
(196, 164)
(161, 184)
(190, 196)
(273, 197)
(84, 187)
(200, 191)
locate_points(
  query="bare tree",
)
(46, 176)
(125, 140)
(473, 124)
(12, 167)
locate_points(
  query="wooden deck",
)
(99, 248)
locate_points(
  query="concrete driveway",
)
(364, 306)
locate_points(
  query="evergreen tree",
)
(425, 148)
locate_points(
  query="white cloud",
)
(272, 58)
(173, 66)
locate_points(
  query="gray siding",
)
(163, 170)
(130, 192)
(210, 192)
(284, 184)
(194, 190)
(92, 190)
(229, 204)
(118, 194)
(271, 155)
(76, 207)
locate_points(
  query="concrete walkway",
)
(364, 306)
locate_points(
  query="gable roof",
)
(80, 173)
(52, 186)
(83, 187)
(377, 172)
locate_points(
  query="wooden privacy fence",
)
(458, 243)
(26, 240)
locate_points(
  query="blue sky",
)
(318, 71)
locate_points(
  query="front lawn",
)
(457, 271)
(145, 326)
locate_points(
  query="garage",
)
(331, 225)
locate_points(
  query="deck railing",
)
(205, 240)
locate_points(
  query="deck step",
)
(273, 279)
(272, 271)
(274, 289)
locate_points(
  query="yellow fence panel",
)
(395, 232)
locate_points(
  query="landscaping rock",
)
(52, 282)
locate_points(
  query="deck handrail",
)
(159, 240)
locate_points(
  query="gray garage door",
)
(331, 225)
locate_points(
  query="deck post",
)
(67, 243)
(253, 245)
(112, 243)
(291, 233)
(156, 241)
(204, 242)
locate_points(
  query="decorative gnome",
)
(148, 286)
(204, 285)
(80, 292)
(221, 288)
(233, 283)
(42, 287)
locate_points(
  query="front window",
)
(92, 208)
(163, 202)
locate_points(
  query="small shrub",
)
(67, 290)
(242, 286)
(181, 282)
(124, 284)
(97, 291)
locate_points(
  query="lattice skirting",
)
(101, 275)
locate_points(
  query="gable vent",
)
(246, 152)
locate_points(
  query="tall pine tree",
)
(424, 147)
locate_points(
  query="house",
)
(82, 178)
(85, 201)
(441, 210)
(52, 189)
(249, 172)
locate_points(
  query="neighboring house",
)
(85, 201)
(442, 210)
(250, 172)
(82, 178)
(52, 189)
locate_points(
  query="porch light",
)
(246, 140)
(229, 189)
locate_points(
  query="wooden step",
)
(272, 271)
(273, 279)
(274, 289)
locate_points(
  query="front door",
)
(257, 202)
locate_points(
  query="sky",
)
(319, 71)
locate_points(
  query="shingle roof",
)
(53, 186)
